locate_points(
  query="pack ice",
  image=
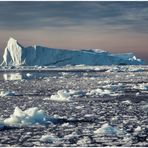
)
(16, 55)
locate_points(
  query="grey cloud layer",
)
(114, 15)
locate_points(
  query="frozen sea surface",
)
(99, 106)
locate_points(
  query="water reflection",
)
(27, 76)
(12, 76)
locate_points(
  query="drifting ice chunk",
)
(28, 74)
(49, 138)
(27, 117)
(64, 95)
(127, 102)
(7, 93)
(100, 92)
(107, 130)
(141, 87)
(138, 129)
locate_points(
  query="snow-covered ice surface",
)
(74, 106)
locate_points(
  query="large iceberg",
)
(16, 55)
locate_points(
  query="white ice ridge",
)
(17, 55)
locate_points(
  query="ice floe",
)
(138, 129)
(108, 130)
(7, 93)
(65, 95)
(102, 92)
(113, 87)
(49, 138)
(28, 74)
(27, 117)
(142, 86)
(61, 95)
(83, 141)
(127, 102)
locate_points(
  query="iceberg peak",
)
(12, 53)
(12, 40)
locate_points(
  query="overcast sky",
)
(112, 26)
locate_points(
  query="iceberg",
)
(17, 55)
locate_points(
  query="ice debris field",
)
(74, 106)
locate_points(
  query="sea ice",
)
(7, 93)
(83, 141)
(65, 95)
(49, 138)
(107, 130)
(28, 74)
(138, 129)
(62, 95)
(27, 117)
(141, 87)
(127, 102)
(101, 92)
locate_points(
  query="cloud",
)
(131, 16)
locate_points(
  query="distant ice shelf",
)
(17, 55)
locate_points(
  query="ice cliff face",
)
(17, 55)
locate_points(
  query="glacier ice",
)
(17, 55)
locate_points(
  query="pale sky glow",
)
(113, 26)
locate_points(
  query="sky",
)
(113, 26)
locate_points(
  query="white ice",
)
(127, 102)
(12, 76)
(7, 93)
(49, 138)
(27, 117)
(107, 130)
(17, 55)
(101, 92)
(143, 86)
(28, 74)
(65, 95)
